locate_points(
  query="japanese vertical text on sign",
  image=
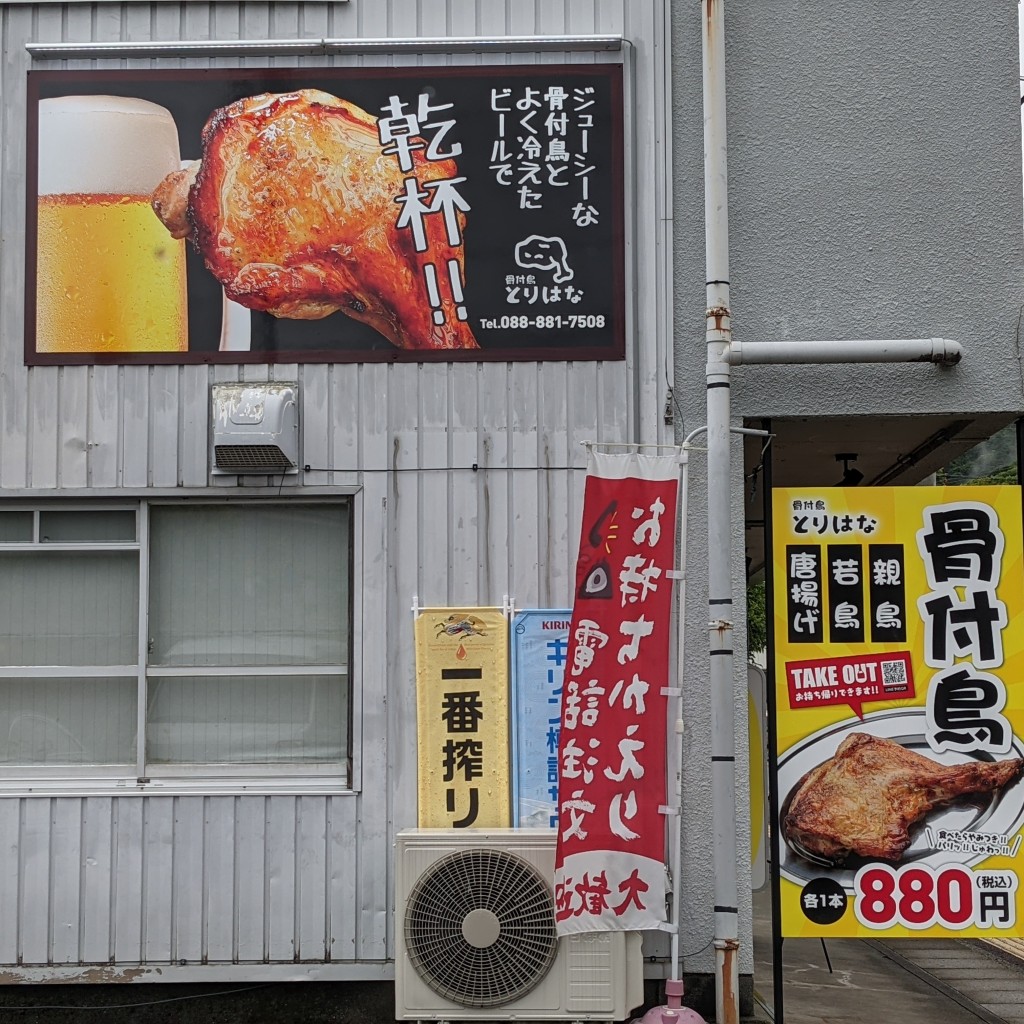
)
(462, 718)
(540, 643)
(899, 646)
(610, 856)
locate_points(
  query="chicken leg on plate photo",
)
(867, 797)
(293, 208)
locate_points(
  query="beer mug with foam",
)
(109, 277)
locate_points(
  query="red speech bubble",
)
(858, 680)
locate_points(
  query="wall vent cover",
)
(255, 429)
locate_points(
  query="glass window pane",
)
(69, 609)
(67, 721)
(15, 527)
(247, 719)
(79, 527)
(245, 585)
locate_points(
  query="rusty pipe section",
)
(727, 981)
(941, 351)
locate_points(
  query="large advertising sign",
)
(462, 718)
(327, 214)
(610, 848)
(899, 650)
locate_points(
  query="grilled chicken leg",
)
(294, 210)
(865, 799)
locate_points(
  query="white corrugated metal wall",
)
(95, 877)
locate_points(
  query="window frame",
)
(182, 776)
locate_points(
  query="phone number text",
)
(522, 323)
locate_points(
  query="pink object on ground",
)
(673, 1012)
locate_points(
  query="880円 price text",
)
(918, 896)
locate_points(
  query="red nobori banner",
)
(610, 860)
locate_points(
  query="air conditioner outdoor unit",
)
(475, 935)
(255, 429)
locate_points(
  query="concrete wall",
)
(875, 192)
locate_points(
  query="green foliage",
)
(1006, 475)
(757, 625)
(994, 461)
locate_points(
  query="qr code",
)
(894, 675)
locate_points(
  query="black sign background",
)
(887, 593)
(493, 227)
(849, 593)
(795, 608)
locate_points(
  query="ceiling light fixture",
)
(851, 477)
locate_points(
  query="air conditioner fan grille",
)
(511, 893)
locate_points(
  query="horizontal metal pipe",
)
(903, 350)
(310, 47)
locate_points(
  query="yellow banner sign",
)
(899, 649)
(462, 704)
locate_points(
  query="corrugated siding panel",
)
(187, 904)
(10, 880)
(126, 871)
(17, 30)
(279, 874)
(66, 869)
(249, 879)
(35, 896)
(95, 943)
(157, 868)
(219, 855)
(225, 879)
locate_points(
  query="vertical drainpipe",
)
(720, 605)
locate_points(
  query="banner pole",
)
(674, 991)
(778, 996)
